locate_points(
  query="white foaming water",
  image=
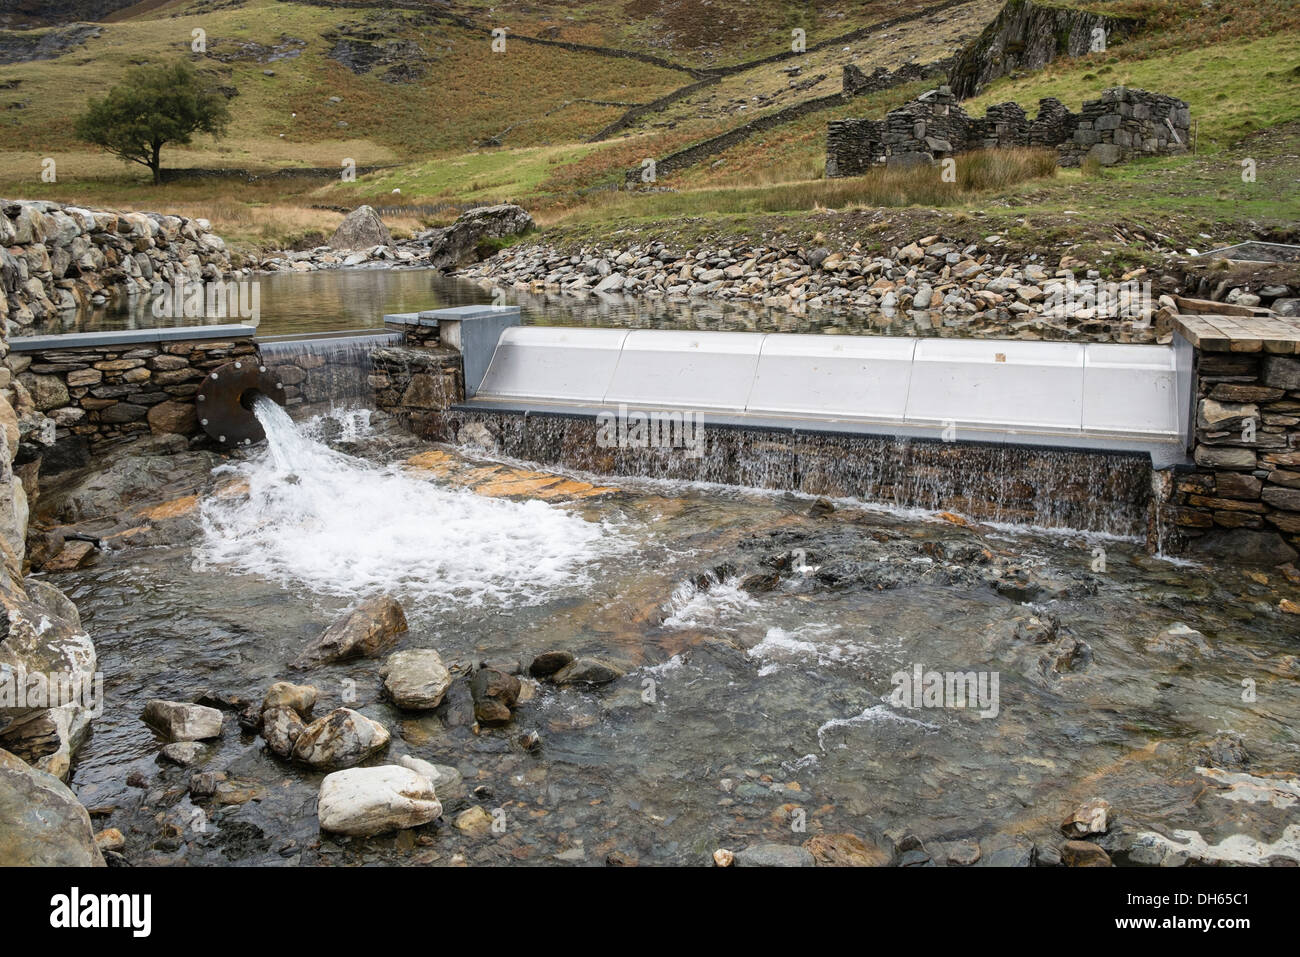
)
(338, 525)
(876, 713)
(780, 647)
(723, 603)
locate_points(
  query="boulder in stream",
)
(587, 671)
(283, 694)
(366, 630)
(416, 680)
(495, 694)
(366, 801)
(340, 739)
(361, 229)
(282, 727)
(181, 721)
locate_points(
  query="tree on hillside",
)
(153, 106)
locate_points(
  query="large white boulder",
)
(366, 801)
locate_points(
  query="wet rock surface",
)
(45, 826)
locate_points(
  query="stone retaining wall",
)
(97, 395)
(1242, 497)
(1122, 124)
(418, 384)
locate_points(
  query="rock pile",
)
(935, 283)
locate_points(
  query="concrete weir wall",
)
(1195, 445)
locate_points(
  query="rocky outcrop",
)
(48, 691)
(61, 258)
(41, 823)
(26, 45)
(456, 244)
(1028, 36)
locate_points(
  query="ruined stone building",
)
(1122, 124)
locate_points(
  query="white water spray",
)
(338, 525)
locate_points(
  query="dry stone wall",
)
(98, 395)
(1241, 499)
(56, 258)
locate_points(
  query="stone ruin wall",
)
(1122, 124)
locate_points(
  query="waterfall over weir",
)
(333, 524)
(333, 368)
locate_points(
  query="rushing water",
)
(760, 642)
(332, 524)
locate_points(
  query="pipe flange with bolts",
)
(225, 401)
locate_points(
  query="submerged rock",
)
(180, 721)
(587, 671)
(1180, 641)
(416, 680)
(367, 801)
(366, 630)
(183, 753)
(446, 780)
(340, 739)
(775, 855)
(45, 826)
(474, 821)
(1226, 750)
(846, 850)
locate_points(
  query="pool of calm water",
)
(345, 299)
(760, 636)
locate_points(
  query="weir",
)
(1192, 444)
(1098, 396)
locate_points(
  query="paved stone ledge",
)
(1278, 336)
(123, 337)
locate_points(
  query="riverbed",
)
(762, 636)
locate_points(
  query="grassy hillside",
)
(466, 125)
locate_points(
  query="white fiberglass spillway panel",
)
(998, 383)
(1130, 388)
(551, 362)
(833, 376)
(693, 370)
